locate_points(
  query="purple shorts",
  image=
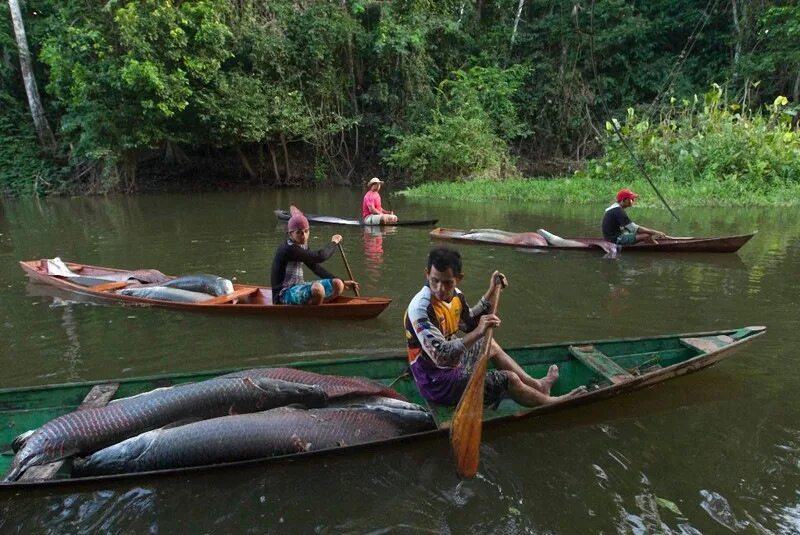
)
(446, 385)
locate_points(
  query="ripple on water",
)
(720, 510)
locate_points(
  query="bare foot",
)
(571, 394)
(549, 380)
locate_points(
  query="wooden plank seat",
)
(98, 396)
(706, 344)
(108, 286)
(600, 363)
(222, 299)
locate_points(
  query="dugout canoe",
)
(245, 298)
(607, 368)
(719, 244)
(283, 215)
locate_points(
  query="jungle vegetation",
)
(120, 96)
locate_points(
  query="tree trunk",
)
(796, 91)
(46, 137)
(245, 162)
(516, 21)
(286, 158)
(274, 164)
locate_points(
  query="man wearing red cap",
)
(618, 227)
(288, 285)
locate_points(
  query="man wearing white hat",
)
(371, 210)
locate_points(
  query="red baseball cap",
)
(625, 193)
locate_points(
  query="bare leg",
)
(530, 397)
(503, 361)
(317, 293)
(389, 219)
(338, 288)
(642, 237)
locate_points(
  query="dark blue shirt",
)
(614, 220)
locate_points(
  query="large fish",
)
(558, 241)
(88, 430)
(252, 436)
(502, 236)
(208, 284)
(334, 386)
(163, 293)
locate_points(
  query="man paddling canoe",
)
(618, 227)
(288, 285)
(371, 211)
(441, 363)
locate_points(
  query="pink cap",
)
(298, 221)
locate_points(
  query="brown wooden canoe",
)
(528, 240)
(246, 298)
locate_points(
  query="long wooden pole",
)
(347, 267)
(465, 429)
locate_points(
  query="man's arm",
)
(313, 259)
(652, 232)
(321, 272)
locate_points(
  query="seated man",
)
(371, 210)
(442, 363)
(618, 227)
(288, 286)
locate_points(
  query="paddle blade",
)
(465, 429)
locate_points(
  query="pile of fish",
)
(244, 415)
(186, 289)
(151, 283)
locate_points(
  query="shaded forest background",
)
(154, 94)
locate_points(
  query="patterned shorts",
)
(495, 385)
(300, 294)
(626, 238)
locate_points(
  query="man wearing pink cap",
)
(288, 285)
(618, 227)
(372, 213)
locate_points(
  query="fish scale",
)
(88, 430)
(251, 436)
(335, 386)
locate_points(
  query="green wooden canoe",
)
(608, 368)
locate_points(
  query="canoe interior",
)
(651, 359)
(248, 298)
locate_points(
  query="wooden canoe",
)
(607, 368)
(283, 215)
(721, 244)
(246, 298)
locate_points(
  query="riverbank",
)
(582, 190)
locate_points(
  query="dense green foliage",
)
(700, 151)
(710, 144)
(290, 92)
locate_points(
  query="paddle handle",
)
(347, 267)
(465, 429)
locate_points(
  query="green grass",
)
(588, 190)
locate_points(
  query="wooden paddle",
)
(347, 267)
(465, 428)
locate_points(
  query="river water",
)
(714, 452)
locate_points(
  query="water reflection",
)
(373, 249)
(72, 351)
(720, 446)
